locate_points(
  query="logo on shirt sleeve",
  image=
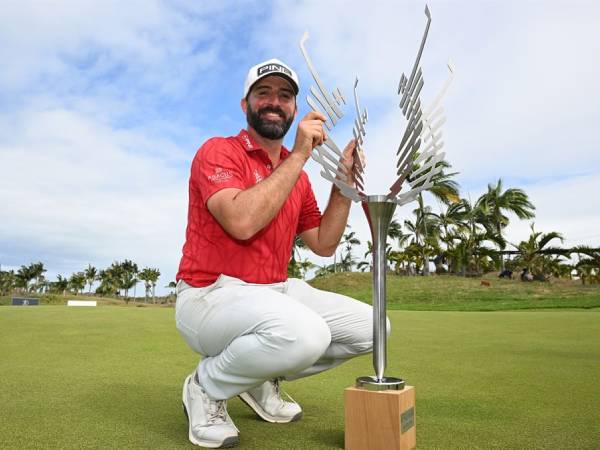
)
(257, 176)
(220, 176)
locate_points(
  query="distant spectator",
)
(506, 274)
(526, 275)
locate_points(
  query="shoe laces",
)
(217, 412)
(278, 392)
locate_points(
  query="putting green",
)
(110, 377)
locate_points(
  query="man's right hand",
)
(310, 133)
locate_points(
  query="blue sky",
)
(103, 105)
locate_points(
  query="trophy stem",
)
(379, 211)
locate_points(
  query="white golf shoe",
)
(209, 424)
(266, 401)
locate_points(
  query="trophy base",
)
(383, 384)
(379, 420)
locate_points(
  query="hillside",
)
(451, 293)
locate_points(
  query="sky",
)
(103, 105)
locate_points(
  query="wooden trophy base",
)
(380, 420)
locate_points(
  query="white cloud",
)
(97, 127)
(102, 105)
(567, 206)
(157, 45)
(75, 186)
(522, 106)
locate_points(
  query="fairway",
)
(110, 377)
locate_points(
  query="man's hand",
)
(347, 161)
(243, 213)
(324, 239)
(310, 133)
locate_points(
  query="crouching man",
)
(253, 327)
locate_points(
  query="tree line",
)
(116, 280)
(464, 238)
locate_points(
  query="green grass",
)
(58, 299)
(451, 293)
(434, 293)
(110, 377)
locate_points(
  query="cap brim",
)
(281, 75)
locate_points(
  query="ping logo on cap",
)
(268, 68)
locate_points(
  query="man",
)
(248, 199)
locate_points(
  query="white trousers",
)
(249, 333)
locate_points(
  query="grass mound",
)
(451, 293)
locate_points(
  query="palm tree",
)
(145, 275)
(37, 270)
(24, 275)
(394, 230)
(305, 265)
(153, 280)
(498, 203)
(324, 270)
(532, 252)
(466, 229)
(443, 189)
(589, 266)
(448, 224)
(172, 293)
(129, 272)
(126, 282)
(424, 234)
(150, 278)
(346, 259)
(109, 280)
(401, 261)
(77, 282)
(425, 225)
(91, 275)
(363, 266)
(294, 269)
(450, 221)
(8, 280)
(394, 233)
(60, 285)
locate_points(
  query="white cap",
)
(270, 67)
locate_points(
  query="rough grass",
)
(451, 293)
(58, 299)
(434, 293)
(110, 377)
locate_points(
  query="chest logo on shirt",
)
(220, 176)
(257, 176)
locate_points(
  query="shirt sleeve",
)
(217, 165)
(310, 215)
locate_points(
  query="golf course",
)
(110, 376)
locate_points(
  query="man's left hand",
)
(347, 161)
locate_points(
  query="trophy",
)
(380, 411)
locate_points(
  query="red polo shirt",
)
(238, 162)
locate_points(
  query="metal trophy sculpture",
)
(418, 162)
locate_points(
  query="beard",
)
(269, 129)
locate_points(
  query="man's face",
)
(271, 107)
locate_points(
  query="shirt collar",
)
(250, 144)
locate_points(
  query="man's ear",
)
(244, 105)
